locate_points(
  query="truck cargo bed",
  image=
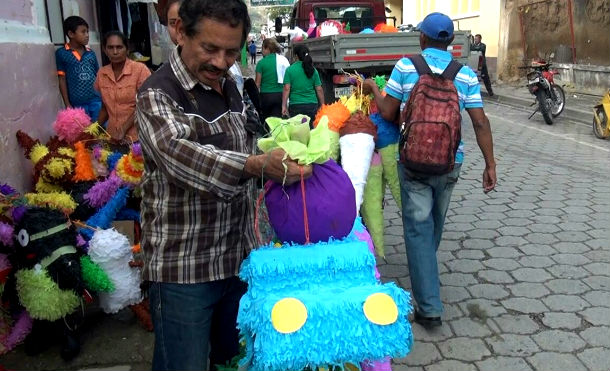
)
(371, 51)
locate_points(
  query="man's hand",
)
(369, 86)
(489, 178)
(285, 112)
(482, 130)
(276, 166)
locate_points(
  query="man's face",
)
(81, 35)
(210, 53)
(172, 17)
(477, 39)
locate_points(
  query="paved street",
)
(525, 270)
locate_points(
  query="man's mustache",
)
(210, 68)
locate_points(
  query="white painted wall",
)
(30, 98)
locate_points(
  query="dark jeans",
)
(304, 109)
(271, 105)
(253, 58)
(486, 81)
(189, 318)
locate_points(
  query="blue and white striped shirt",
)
(404, 77)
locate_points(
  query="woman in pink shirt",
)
(118, 83)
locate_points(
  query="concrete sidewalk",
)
(578, 105)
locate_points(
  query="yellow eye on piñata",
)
(380, 309)
(288, 315)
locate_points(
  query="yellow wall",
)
(478, 16)
(396, 7)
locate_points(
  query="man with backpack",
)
(425, 95)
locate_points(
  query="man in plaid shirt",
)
(198, 191)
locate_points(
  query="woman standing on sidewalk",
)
(270, 73)
(303, 86)
(118, 83)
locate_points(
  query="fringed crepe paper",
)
(356, 152)
(107, 214)
(372, 206)
(293, 135)
(94, 276)
(70, 123)
(42, 298)
(112, 252)
(320, 305)
(389, 154)
(20, 330)
(84, 169)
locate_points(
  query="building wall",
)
(537, 30)
(478, 16)
(30, 95)
(396, 7)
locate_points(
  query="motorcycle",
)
(601, 124)
(550, 96)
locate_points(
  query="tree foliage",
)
(257, 19)
(279, 11)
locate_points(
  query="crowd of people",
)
(201, 162)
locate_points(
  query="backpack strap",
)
(452, 70)
(420, 64)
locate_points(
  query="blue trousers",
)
(91, 108)
(195, 323)
(425, 201)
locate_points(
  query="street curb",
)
(571, 113)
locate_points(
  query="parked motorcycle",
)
(601, 124)
(550, 96)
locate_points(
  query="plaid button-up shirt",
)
(197, 211)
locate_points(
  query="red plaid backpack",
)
(431, 122)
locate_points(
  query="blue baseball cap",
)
(437, 26)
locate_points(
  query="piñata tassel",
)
(83, 170)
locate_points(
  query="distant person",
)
(77, 68)
(302, 86)
(172, 16)
(118, 83)
(478, 46)
(270, 73)
(252, 51)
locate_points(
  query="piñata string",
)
(305, 217)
